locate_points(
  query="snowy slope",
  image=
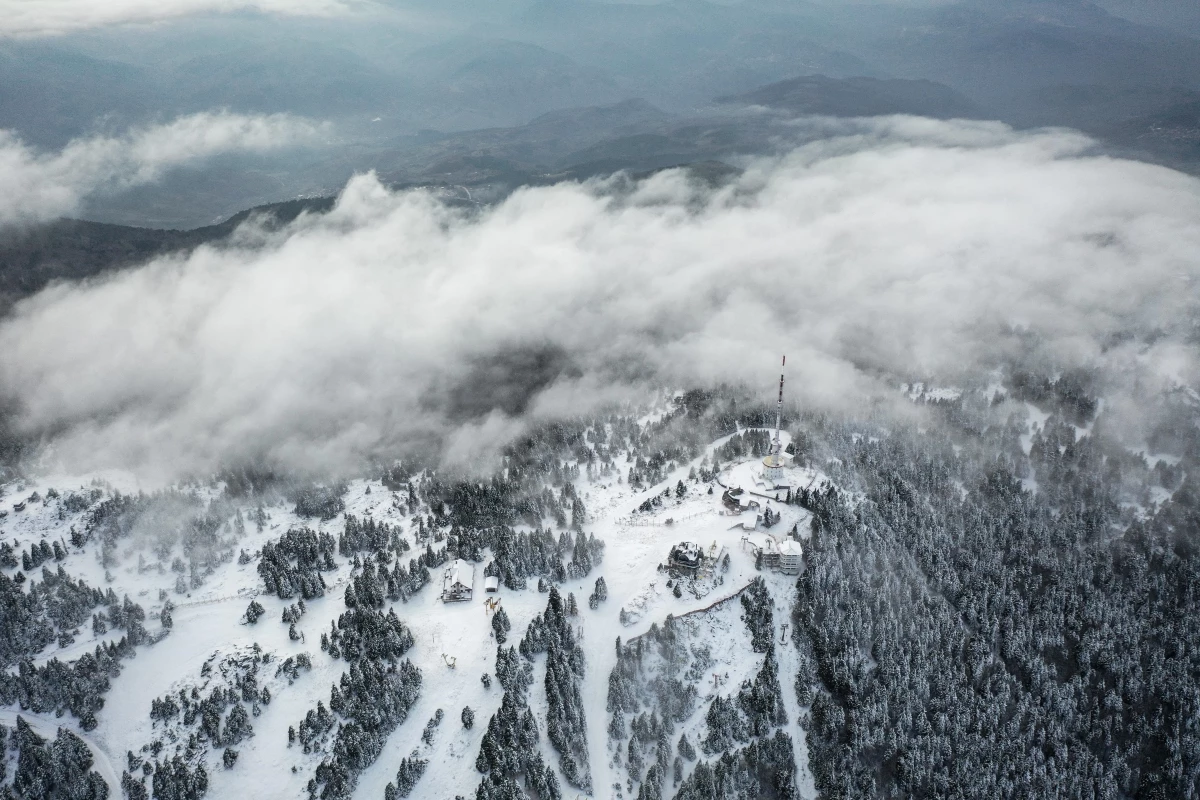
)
(208, 624)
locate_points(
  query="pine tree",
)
(164, 616)
(599, 594)
(686, 749)
(500, 625)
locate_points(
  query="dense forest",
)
(965, 635)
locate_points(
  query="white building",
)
(773, 466)
(491, 584)
(459, 581)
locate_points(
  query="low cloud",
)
(51, 17)
(39, 186)
(891, 247)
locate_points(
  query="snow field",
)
(207, 621)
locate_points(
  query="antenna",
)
(776, 448)
(773, 464)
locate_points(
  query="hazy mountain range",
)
(401, 84)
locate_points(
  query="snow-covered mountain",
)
(237, 627)
(626, 609)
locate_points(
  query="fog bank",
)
(895, 246)
(41, 186)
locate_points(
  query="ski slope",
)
(454, 643)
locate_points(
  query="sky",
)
(53, 17)
(894, 246)
(40, 18)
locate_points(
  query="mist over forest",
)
(449, 334)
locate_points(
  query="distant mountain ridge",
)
(859, 97)
(633, 135)
(70, 249)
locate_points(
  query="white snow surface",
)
(207, 622)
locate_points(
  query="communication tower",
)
(776, 460)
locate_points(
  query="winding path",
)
(47, 727)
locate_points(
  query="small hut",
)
(459, 581)
(491, 584)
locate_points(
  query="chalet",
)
(769, 553)
(737, 500)
(459, 581)
(686, 558)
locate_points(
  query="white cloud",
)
(899, 245)
(49, 17)
(38, 186)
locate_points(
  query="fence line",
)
(632, 523)
(709, 607)
(243, 594)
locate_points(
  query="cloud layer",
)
(49, 17)
(898, 246)
(39, 186)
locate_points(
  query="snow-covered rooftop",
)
(460, 573)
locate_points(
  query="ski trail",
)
(600, 662)
(788, 667)
(47, 728)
